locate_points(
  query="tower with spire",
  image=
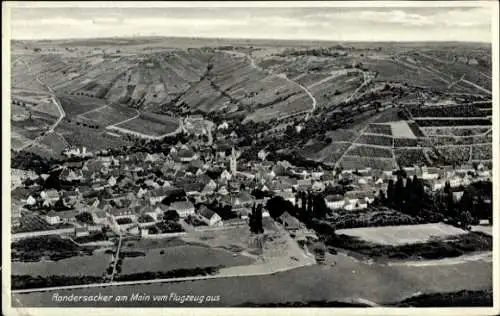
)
(234, 161)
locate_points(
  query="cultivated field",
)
(400, 235)
(75, 105)
(109, 115)
(356, 162)
(410, 157)
(93, 265)
(401, 129)
(367, 151)
(383, 129)
(149, 126)
(180, 257)
(93, 139)
(455, 154)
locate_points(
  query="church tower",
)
(233, 162)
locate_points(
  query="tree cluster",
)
(408, 198)
(255, 220)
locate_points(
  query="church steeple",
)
(233, 162)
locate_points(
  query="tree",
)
(85, 217)
(303, 201)
(390, 192)
(171, 215)
(320, 208)
(382, 197)
(449, 198)
(255, 221)
(309, 204)
(408, 192)
(276, 206)
(399, 193)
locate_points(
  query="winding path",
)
(283, 76)
(55, 100)
(314, 103)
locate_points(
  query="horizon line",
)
(244, 38)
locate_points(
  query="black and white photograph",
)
(244, 155)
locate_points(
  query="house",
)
(112, 181)
(70, 198)
(49, 197)
(118, 213)
(455, 182)
(209, 216)
(151, 183)
(183, 208)
(186, 155)
(81, 232)
(355, 204)
(289, 222)
(67, 217)
(71, 175)
(155, 212)
(52, 218)
(335, 201)
(223, 191)
(304, 182)
(157, 195)
(224, 125)
(430, 173)
(242, 212)
(457, 196)
(243, 199)
(30, 200)
(328, 178)
(99, 217)
(318, 186)
(193, 188)
(225, 176)
(209, 188)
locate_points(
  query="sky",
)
(304, 23)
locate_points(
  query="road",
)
(127, 120)
(139, 134)
(239, 273)
(93, 110)
(333, 74)
(476, 86)
(311, 96)
(117, 257)
(366, 80)
(461, 79)
(283, 76)
(54, 99)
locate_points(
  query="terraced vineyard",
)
(355, 162)
(482, 152)
(109, 115)
(455, 154)
(411, 157)
(378, 140)
(150, 124)
(368, 151)
(384, 129)
(75, 105)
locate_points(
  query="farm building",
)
(209, 216)
(52, 218)
(119, 213)
(183, 208)
(335, 201)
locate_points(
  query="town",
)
(236, 172)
